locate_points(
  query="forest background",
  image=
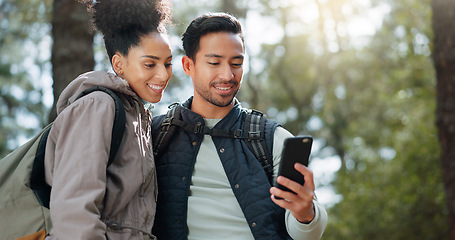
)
(369, 80)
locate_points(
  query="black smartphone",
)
(295, 149)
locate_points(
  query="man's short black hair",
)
(205, 24)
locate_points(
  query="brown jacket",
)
(85, 203)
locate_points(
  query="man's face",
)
(217, 70)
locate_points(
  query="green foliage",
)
(405, 191)
(376, 103)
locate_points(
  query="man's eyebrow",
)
(213, 55)
(219, 56)
(155, 57)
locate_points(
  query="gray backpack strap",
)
(254, 137)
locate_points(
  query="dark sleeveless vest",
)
(245, 174)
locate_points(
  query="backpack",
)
(252, 133)
(24, 194)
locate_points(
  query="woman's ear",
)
(117, 64)
(188, 65)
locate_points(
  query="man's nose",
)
(226, 72)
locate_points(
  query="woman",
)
(88, 202)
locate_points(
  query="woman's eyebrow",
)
(155, 57)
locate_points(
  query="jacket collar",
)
(226, 123)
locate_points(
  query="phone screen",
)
(295, 149)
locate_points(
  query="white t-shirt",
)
(213, 209)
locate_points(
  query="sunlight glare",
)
(261, 30)
(307, 11)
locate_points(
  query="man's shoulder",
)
(158, 118)
(272, 122)
(268, 121)
(174, 111)
(161, 117)
(156, 122)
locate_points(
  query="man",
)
(213, 187)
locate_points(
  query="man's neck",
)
(208, 110)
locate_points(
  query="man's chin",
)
(226, 101)
(222, 104)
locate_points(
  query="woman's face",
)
(147, 67)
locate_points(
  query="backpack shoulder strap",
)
(167, 129)
(37, 179)
(118, 128)
(254, 137)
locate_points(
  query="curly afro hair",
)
(124, 22)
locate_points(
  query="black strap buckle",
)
(238, 133)
(254, 135)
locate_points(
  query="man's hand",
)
(301, 203)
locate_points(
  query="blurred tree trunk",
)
(72, 51)
(444, 60)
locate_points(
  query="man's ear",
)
(117, 64)
(188, 65)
